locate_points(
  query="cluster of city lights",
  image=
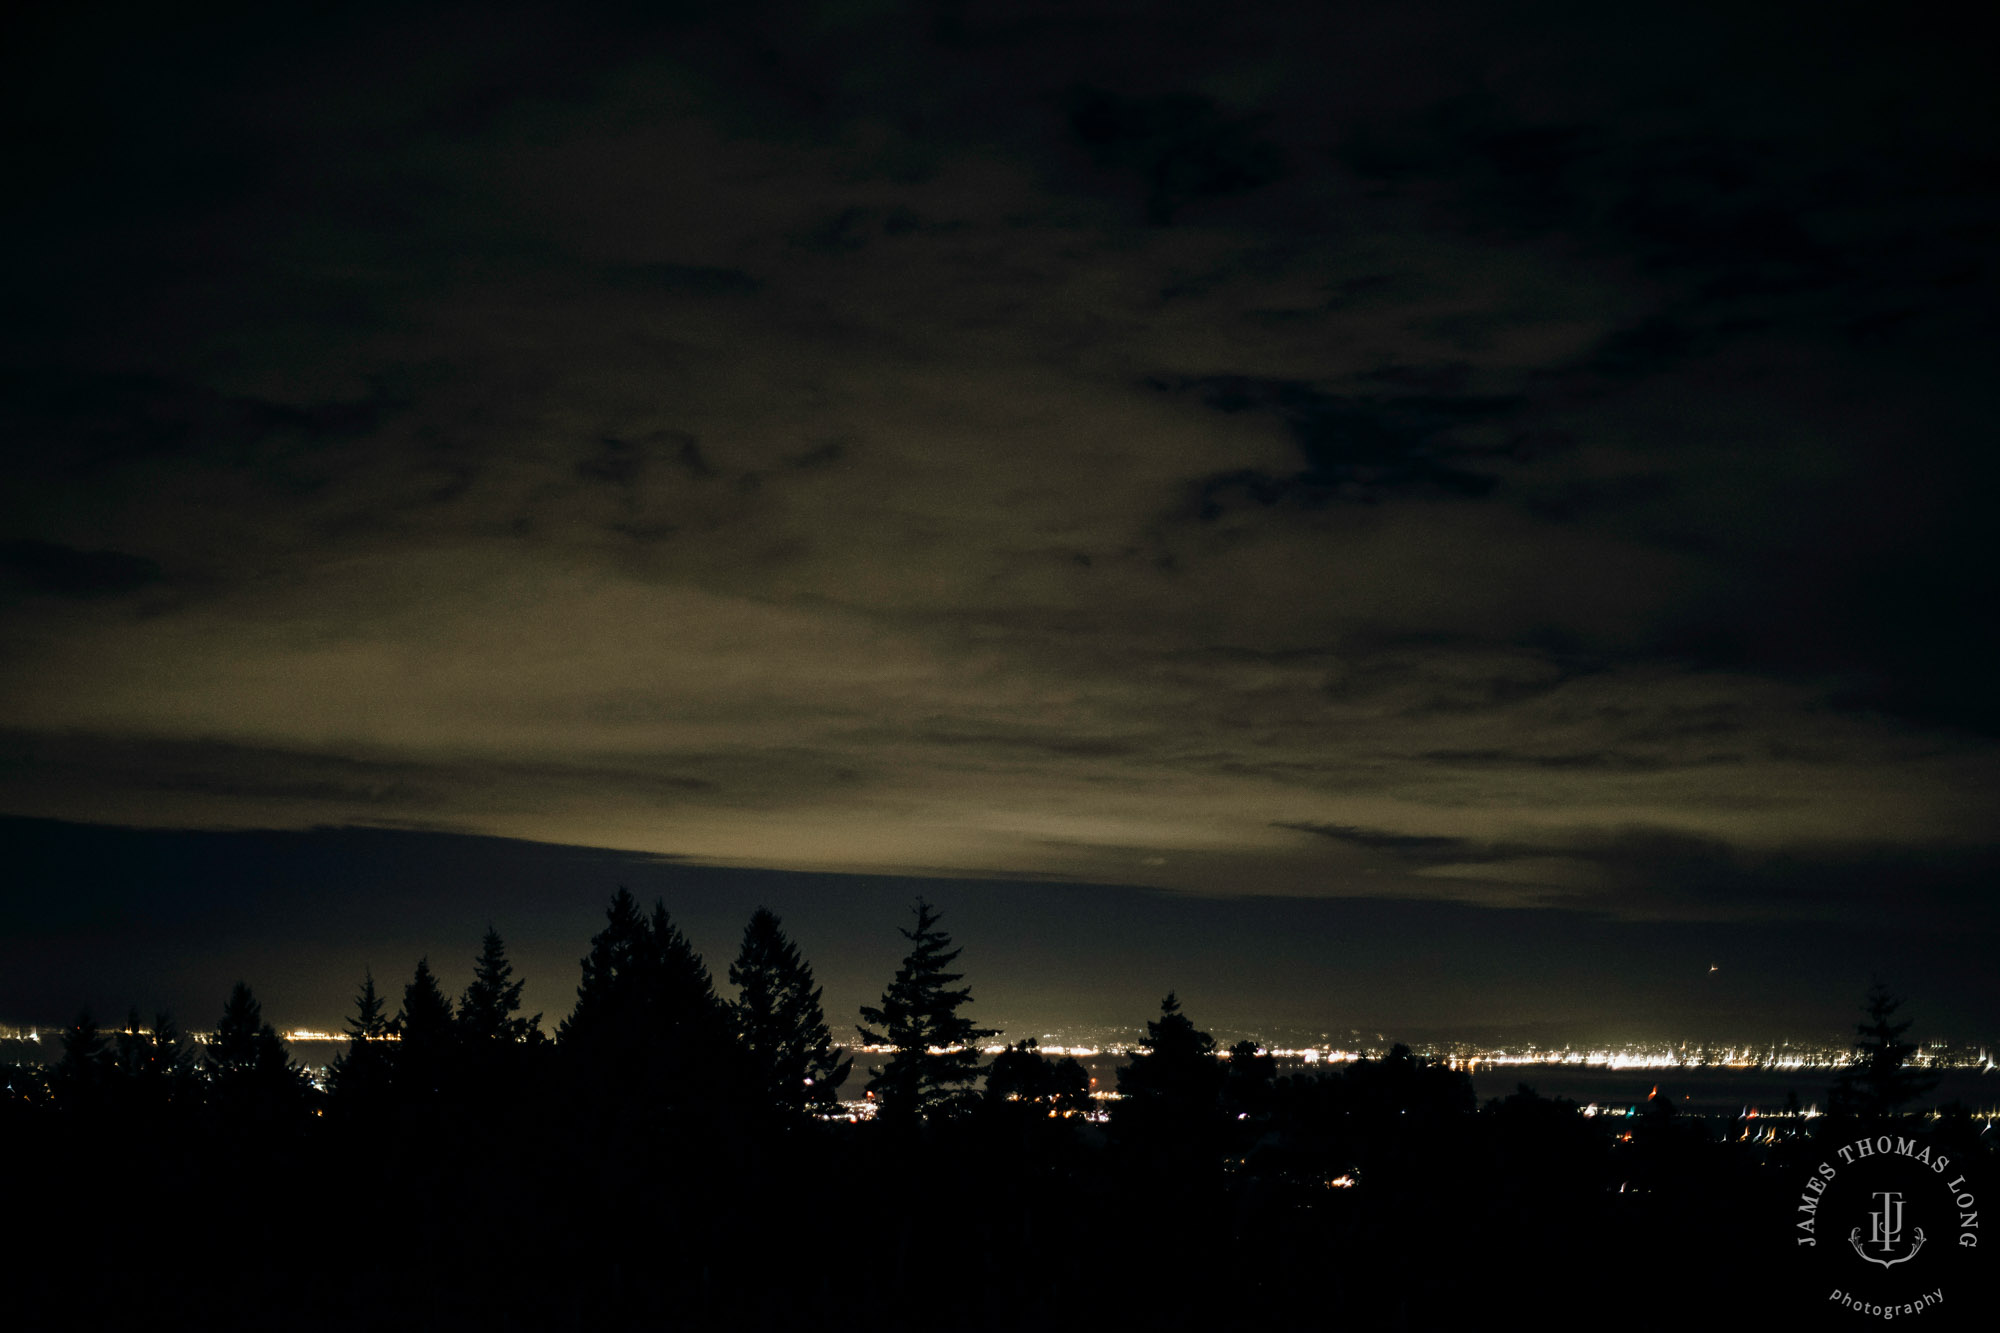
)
(1781, 1056)
(199, 1038)
(1786, 1056)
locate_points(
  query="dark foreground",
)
(1381, 1196)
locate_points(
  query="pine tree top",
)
(486, 1012)
(83, 1039)
(647, 1014)
(242, 1020)
(426, 1013)
(370, 1021)
(1175, 1060)
(1174, 1034)
(244, 1043)
(1879, 1081)
(936, 1047)
(780, 1022)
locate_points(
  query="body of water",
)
(1709, 1091)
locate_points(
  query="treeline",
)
(648, 1029)
(672, 1159)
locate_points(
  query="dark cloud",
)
(67, 572)
(625, 462)
(824, 454)
(1650, 874)
(1181, 147)
(1408, 845)
(94, 427)
(1620, 761)
(1354, 447)
(154, 781)
(1661, 873)
(682, 279)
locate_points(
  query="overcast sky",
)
(1528, 460)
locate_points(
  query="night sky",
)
(1417, 516)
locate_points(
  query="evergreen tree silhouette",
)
(156, 1068)
(128, 1047)
(1175, 1060)
(251, 1076)
(647, 1023)
(488, 1011)
(680, 997)
(80, 1082)
(1879, 1082)
(170, 1060)
(1249, 1089)
(607, 1006)
(1169, 1094)
(794, 1066)
(693, 1057)
(496, 1045)
(654, 1091)
(426, 1041)
(360, 1079)
(371, 1020)
(936, 1050)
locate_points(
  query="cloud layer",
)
(1318, 454)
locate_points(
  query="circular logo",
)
(1886, 1222)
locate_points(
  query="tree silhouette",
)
(80, 1082)
(647, 1024)
(243, 1043)
(487, 1013)
(1879, 1081)
(360, 1079)
(156, 1068)
(1019, 1073)
(794, 1065)
(607, 1005)
(1175, 1061)
(1169, 1094)
(371, 1021)
(686, 1020)
(496, 1044)
(1070, 1084)
(936, 1051)
(250, 1073)
(1406, 1089)
(128, 1048)
(426, 1041)
(1248, 1087)
(1022, 1079)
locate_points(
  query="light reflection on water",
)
(1707, 1091)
